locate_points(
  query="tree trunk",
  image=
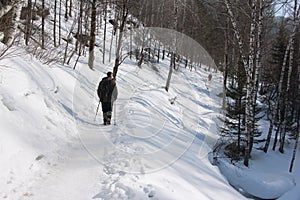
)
(5, 10)
(172, 62)
(70, 9)
(92, 36)
(258, 58)
(239, 125)
(249, 67)
(249, 117)
(295, 147)
(298, 123)
(28, 22)
(114, 30)
(237, 35)
(67, 45)
(59, 24)
(141, 58)
(225, 70)
(43, 24)
(54, 23)
(119, 41)
(66, 11)
(104, 34)
(276, 138)
(268, 140)
(79, 26)
(12, 30)
(111, 44)
(291, 62)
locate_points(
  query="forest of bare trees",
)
(259, 63)
(252, 43)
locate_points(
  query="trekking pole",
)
(97, 110)
(115, 111)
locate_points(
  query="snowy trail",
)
(157, 150)
(145, 139)
(76, 177)
(51, 148)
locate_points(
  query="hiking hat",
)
(109, 74)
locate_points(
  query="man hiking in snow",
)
(107, 92)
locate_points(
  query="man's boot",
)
(105, 118)
(109, 114)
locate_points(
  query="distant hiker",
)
(209, 77)
(107, 92)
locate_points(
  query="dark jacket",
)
(107, 90)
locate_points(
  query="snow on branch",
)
(5, 9)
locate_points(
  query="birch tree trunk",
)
(12, 30)
(5, 10)
(111, 44)
(237, 35)
(257, 66)
(291, 62)
(119, 41)
(298, 124)
(249, 67)
(114, 30)
(258, 52)
(250, 87)
(104, 34)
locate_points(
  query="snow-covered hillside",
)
(51, 147)
(157, 148)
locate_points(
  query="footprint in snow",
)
(149, 190)
(9, 102)
(151, 194)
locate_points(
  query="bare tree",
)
(297, 129)
(28, 21)
(59, 22)
(92, 35)
(124, 11)
(66, 10)
(291, 63)
(250, 64)
(105, 30)
(54, 22)
(172, 62)
(13, 9)
(226, 63)
(70, 8)
(43, 24)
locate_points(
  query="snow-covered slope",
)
(51, 147)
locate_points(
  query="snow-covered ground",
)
(51, 147)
